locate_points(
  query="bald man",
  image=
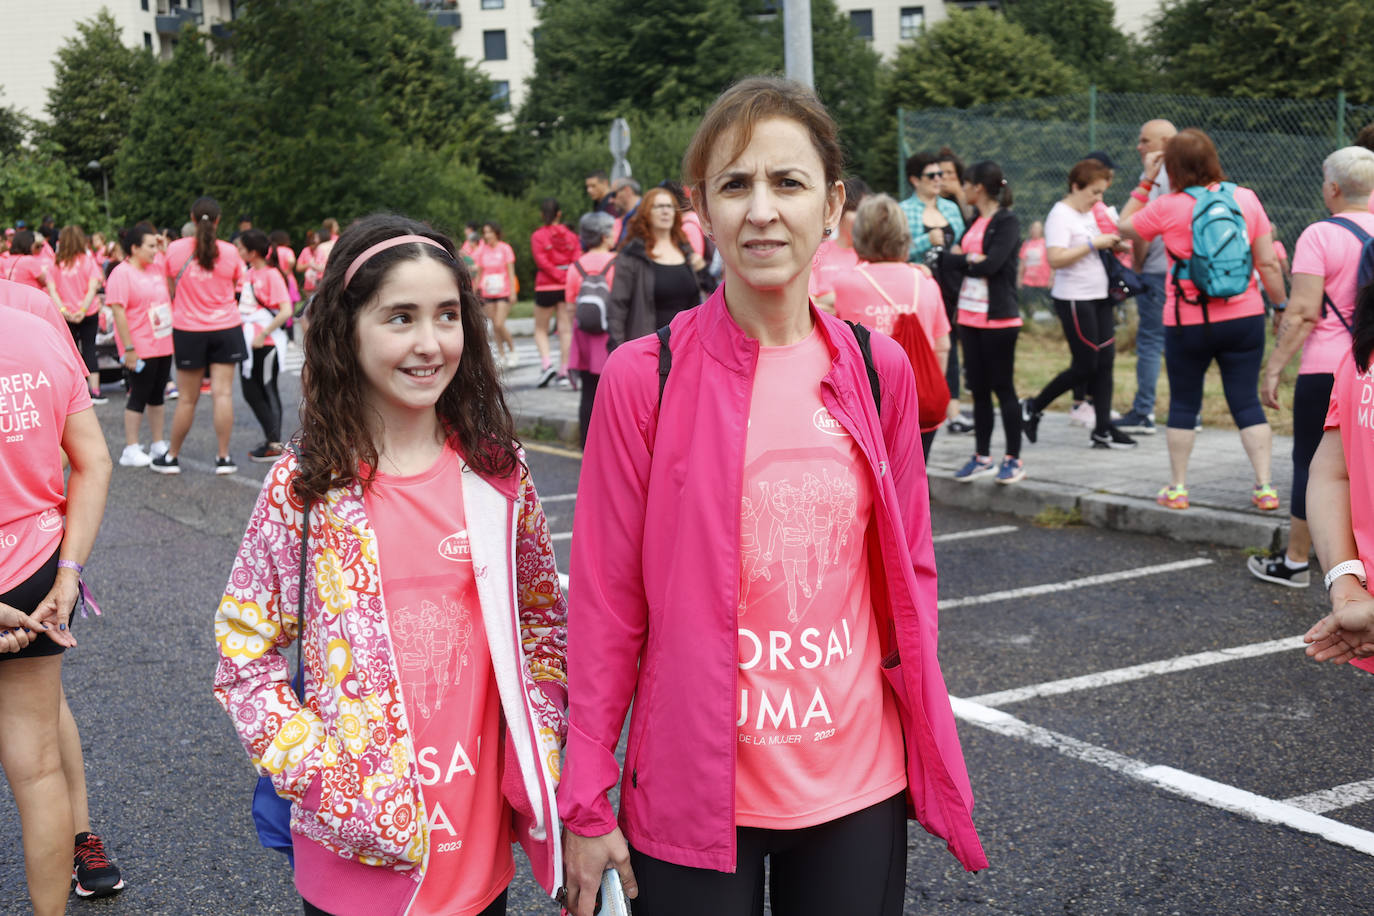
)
(1154, 268)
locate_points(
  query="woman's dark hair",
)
(988, 176)
(135, 234)
(916, 163)
(474, 227)
(205, 214)
(22, 243)
(336, 444)
(1190, 158)
(312, 238)
(948, 155)
(71, 244)
(549, 210)
(1364, 327)
(495, 228)
(1087, 171)
(255, 240)
(279, 237)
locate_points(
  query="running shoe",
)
(1275, 568)
(1083, 414)
(1112, 438)
(959, 426)
(512, 360)
(977, 467)
(205, 386)
(1173, 497)
(263, 454)
(566, 383)
(1011, 471)
(165, 464)
(225, 465)
(97, 397)
(170, 393)
(1030, 419)
(93, 874)
(546, 376)
(159, 448)
(1265, 497)
(134, 456)
(1139, 423)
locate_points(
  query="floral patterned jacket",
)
(351, 738)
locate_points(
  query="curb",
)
(566, 431)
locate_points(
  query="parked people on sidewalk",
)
(496, 281)
(1319, 321)
(204, 274)
(1153, 264)
(656, 274)
(1199, 330)
(72, 281)
(1075, 246)
(677, 598)
(837, 256)
(433, 623)
(137, 295)
(264, 314)
(587, 356)
(554, 247)
(989, 319)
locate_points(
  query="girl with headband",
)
(432, 623)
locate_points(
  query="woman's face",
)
(662, 211)
(145, 251)
(973, 193)
(489, 235)
(1085, 197)
(768, 207)
(931, 180)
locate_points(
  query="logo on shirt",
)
(455, 547)
(50, 521)
(826, 423)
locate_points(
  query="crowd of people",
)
(764, 354)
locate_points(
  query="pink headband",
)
(363, 258)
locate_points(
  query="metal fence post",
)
(1340, 119)
(901, 153)
(1092, 117)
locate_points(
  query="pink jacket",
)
(655, 573)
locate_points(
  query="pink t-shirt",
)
(28, 299)
(1331, 252)
(206, 300)
(269, 289)
(74, 279)
(28, 270)
(857, 299)
(493, 279)
(831, 261)
(1037, 261)
(143, 293)
(1171, 216)
(972, 243)
(40, 386)
(305, 262)
(819, 735)
(451, 700)
(588, 351)
(1352, 413)
(691, 227)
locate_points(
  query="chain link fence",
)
(1273, 146)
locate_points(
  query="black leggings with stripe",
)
(1089, 327)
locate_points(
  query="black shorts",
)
(199, 349)
(147, 387)
(548, 298)
(25, 596)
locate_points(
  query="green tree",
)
(1265, 48)
(14, 128)
(976, 57)
(96, 82)
(34, 182)
(1083, 34)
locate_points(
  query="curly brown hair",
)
(639, 227)
(336, 447)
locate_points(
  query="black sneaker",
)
(226, 465)
(93, 874)
(1274, 568)
(1139, 423)
(97, 397)
(1030, 419)
(1113, 438)
(959, 426)
(263, 454)
(547, 376)
(165, 464)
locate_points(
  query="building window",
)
(913, 21)
(493, 4)
(494, 44)
(500, 94)
(148, 40)
(144, 5)
(536, 3)
(862, 20)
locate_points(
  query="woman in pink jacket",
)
(752, 566)
(554, 247)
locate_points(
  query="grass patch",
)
(541, 432)
(1256, 551)
(1055, 517)
(524, 308)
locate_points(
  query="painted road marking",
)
(560, 498)
(563, 581)
(551, 450)
(1352, 793)
(1086, 582)
(1177, 782)
(561, 536)
(975, 533)
(1136, 672)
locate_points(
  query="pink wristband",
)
(1137, 194)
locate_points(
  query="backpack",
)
(592, 297)
(1365, 274)
(932, 390)
(1221, 264)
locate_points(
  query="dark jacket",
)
(630, 313)
(1001, 246)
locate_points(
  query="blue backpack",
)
(1221, 264)
(1363, 277)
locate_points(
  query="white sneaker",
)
(1084, 414)
(134, 456)
(512, 359)
(158, 448)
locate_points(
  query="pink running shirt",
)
(856, 299)
(206, 300)
(819, 735)
(1037, 260)
(143, 293)
(73, 280)
(493, 280)
(27, 269)
(40, 386)
(1331, 252)
(447, 683)
(831, 261)
(972, 243)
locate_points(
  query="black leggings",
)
(588, 381)
(1088, 326)
(990, 363)
(1311, 397)
(83, 332)
(260, 391)
(854, 864)
(496, 908)
(1237, 346)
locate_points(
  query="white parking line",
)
(560, 498)
(1086, 582)
(563, 581)
(975, 533)
(1187, 785)
(561, 536)
(1352, 793)
(1136, 672)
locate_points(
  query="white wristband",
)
(1350, 567)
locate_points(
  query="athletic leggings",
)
(588, 382)
(1088, 326)
(1311, 397)
(855, 864)
(496, 908)
(83, 332)
(1237, 346)
(260, 391)
(990, 363)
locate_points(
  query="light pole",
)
(93, 166)
(796, 41)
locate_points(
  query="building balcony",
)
(447, 19)
(171, 22)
